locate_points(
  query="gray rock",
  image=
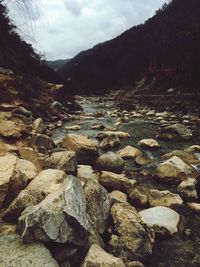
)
(110, 162)
(60, 217)
(41, 141)
(110, 141)
(15, 253)
(98, 204)
(187, 190)
(176, 131)
(39, 126)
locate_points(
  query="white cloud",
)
(65, 27)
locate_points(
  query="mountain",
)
(56, 64)
(168, 44)
(19, 56)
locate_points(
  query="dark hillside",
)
(168, 42)
(19, 56)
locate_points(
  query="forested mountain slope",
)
(166, 43)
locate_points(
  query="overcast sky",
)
(63, 28)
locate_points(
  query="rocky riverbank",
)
(78, 190)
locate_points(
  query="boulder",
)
(46, 182)
(142, 160)
(86, 172)
(15, 253)
(39, 126)
(162, 219)
(175, 131)
(119, 134)
(110, 141)
(63, 160)
(131, 240)
(11, 129)
(60, 217)
(164, 198)
(149, 143)
(187, 157)
(194, 206)
(85, 148)
(110, 162)
(97, 257)
(187, 190)
(118, 196)
(129, 152)
(98, 204)
(113, 181)
(41, 142)
(175, 170)
(7, 148)
(97, 126)
(15, 174)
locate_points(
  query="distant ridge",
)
(56, 64)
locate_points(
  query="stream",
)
(181, 250)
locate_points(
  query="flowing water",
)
(181, 250)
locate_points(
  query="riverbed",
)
(183, 249)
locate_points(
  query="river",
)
(181, 250)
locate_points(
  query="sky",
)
(60, 29)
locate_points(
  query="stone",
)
(119, 134)
(131, 240)
(176, 131)
(15, 174)
(162, 114)
(162, 219)
(164, 198)
(113, 181)
(22, 111)
(149, 143)
(39, 126)
(10, 129)
(63, 160)
(41, 141)
(85, 148)
(86, 172)
(72, 128)
(15, 253)
(60, 217)
(110, 141)
(46, 182)
(175, 170)
(137, 198)
(110, 162)
(118, 196)
(97, 126)
(194, 206)
(28, 153)
(135, 264)
(193, 149)
(187, 190)
(129, 152)
(187, 157)
(142, 160)
(98, 205)
(97, 257)
(7, 148)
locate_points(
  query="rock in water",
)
(113, 181)
(110, 141)
(39, 125)
(149, 143)
(187, 190)
(46, 182)
(14, 253)
(161, 218)
(110, 162)
(175, 170)
(86, 149)
(129, 152)
(63, 160)
(175, 131)
(131, 240)
(97, 257)
(60, 217)
(98, 204)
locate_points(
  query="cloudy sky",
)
(63, 28)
